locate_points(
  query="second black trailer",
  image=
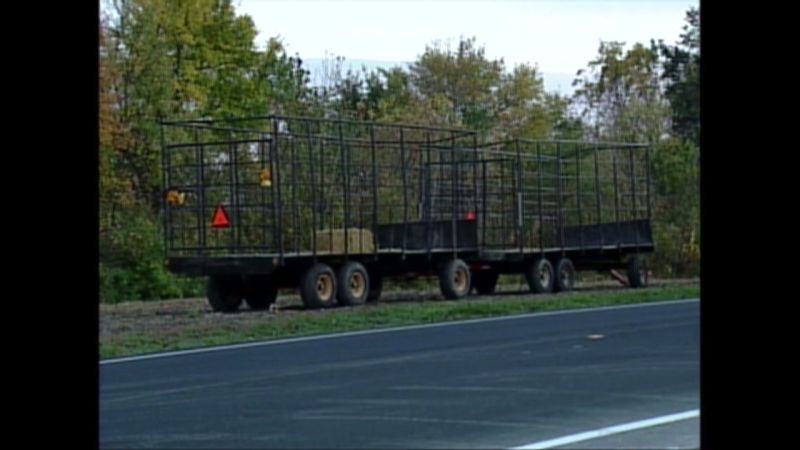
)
(333, 207)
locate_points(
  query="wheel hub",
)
(460, 280)
(357, 284)
(324, 287)
(544, 276)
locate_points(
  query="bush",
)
(676, 213)
(132, 264)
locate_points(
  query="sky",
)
(558, 37)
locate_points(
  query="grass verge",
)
(381, 315)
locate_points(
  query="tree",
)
(115, 188)
(676, 161)
(465, 79)
(480, 94)
(564, 124)
(189, 59)
(282, 82)
(450, 88)
(620, 96)
(521, 105)
(171, 59)
(676, 228)
(395, 98)
(682, 75)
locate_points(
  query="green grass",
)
(381, 315)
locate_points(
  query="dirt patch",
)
(173, 317)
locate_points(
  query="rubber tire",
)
(447, 283)
(485, 282)
(260, 292)
(375, 287)
(224, 293)
(308, 287)
(562, 265)
(345, 295)
(637, 273)
(532, 277)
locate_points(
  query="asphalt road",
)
(482, 384)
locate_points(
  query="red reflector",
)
(470, 215)
(220, 219)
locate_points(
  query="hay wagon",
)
(334, 207)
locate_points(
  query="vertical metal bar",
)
(634, 216)
(295, 213)
(361, 187)
(485, 211)
(199, 215)
(374, 193)
(440, 178)
(539, 169)
(239, 204)
(616, 196)
(345, 189)
(203, 206)
(403, 171)
(313, 192)
(518, 192)
(323, 201)
(475, 172)
(272, 191)
(234, 193)
(277, 176)
(428, 196)
(633, 184)
(599, 219)
(453, 200)
(263, 159)
(420, 171)
(560, 203)
(165, 183)
(503, 205)
(580, 211)
(647, 178)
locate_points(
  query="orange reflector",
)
(175, 197)
(220, 219)
(470, 215)
(266, 178)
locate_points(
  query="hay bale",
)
(359, 240)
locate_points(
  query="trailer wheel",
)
(318, 287)
(224, 293)
(540, 276)
(485, 282)
(454, 279)
(260, 292)
(565, 275)
(637, 272)
(375, 287)
(353, 282)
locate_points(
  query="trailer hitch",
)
(619, 277)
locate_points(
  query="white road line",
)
(387, 330)
(611, 430)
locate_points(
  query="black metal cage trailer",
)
(333, 207)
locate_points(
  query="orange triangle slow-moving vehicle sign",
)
(220, 219)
